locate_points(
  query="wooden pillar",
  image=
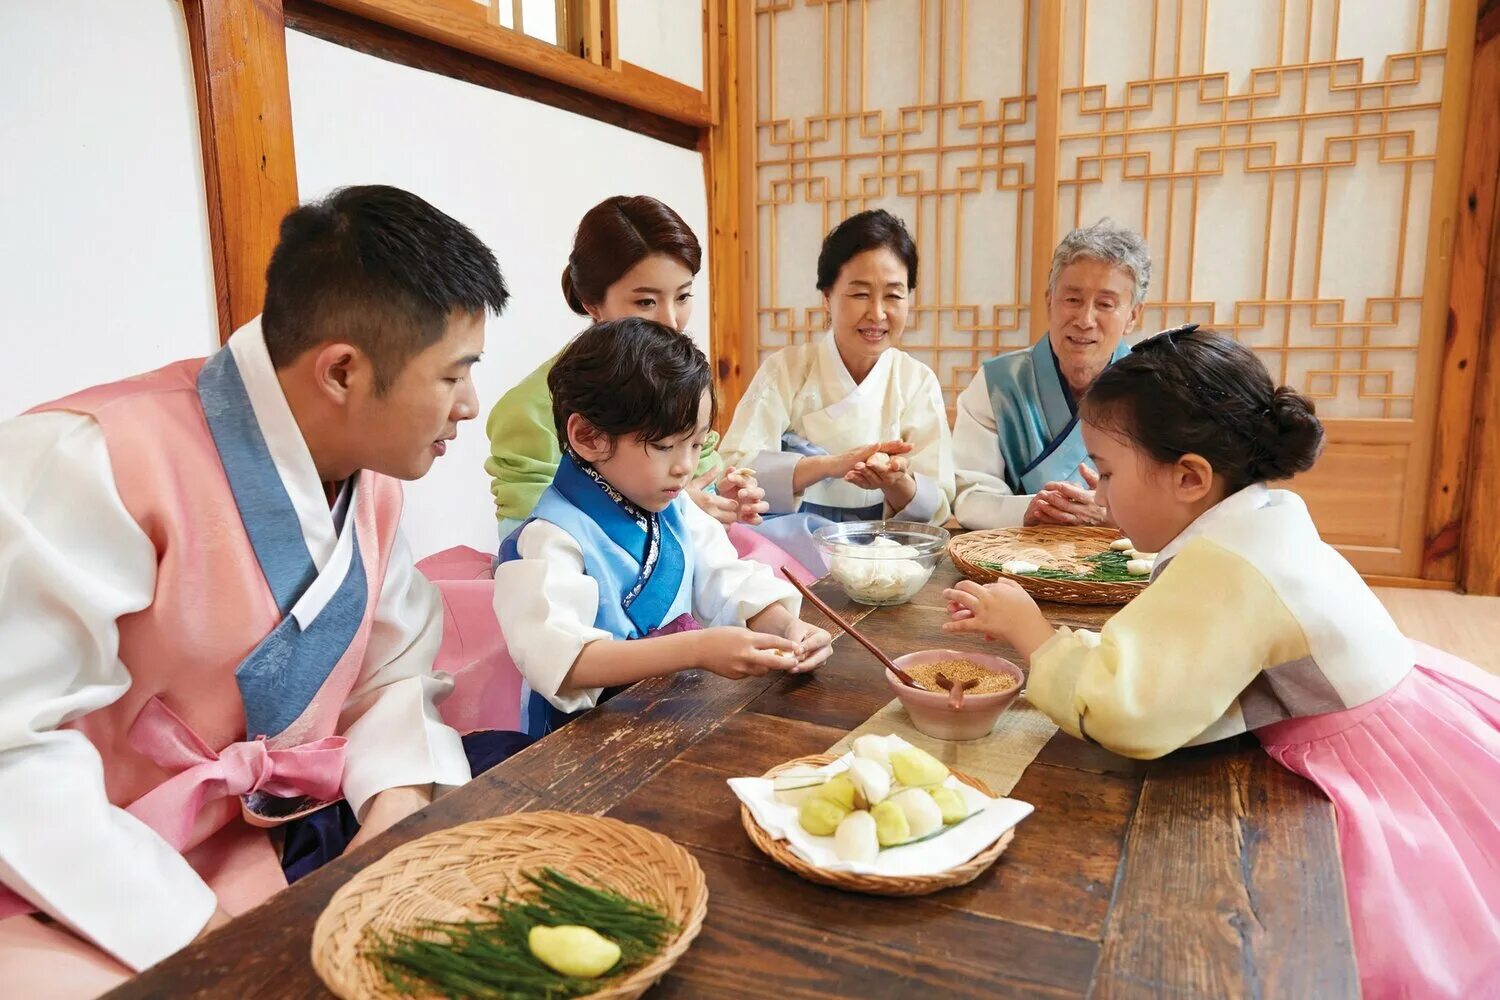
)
(1049, 59)
(1461, 540)
(1479, 547)
(728, 24)
(245, 128)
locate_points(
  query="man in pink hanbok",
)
(214, 636)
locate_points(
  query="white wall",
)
(664, 36)
(105, 267)
(521, 175)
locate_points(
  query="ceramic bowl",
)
(930, 711)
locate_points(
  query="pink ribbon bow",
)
(313, 769)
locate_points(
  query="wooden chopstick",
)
(853, 632)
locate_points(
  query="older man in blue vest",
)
(1018, 453)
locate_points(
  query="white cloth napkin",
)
(955, 846)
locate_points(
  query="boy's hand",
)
(998, 609)
(816, 643)
(737, 653)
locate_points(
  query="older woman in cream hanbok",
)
(849, 427)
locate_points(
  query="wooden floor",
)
(1463, 625)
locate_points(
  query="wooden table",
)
(1211, 873)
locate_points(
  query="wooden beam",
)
(463, 25)
(1448, 494)
(725, 22)
(402, 47)
(1479, 552)
(1049, 60)
(245, 130)
(1407, 582)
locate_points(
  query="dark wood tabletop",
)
(1210, 873)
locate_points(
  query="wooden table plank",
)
(1231, 885)
(907, 947)
(750, 953)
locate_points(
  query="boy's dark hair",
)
(616, 235)
(1191, 391)
(866, 231)
(379, 268)
(631, 376)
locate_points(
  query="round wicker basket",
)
(1058, 547)
(443, 875)
(879, 885)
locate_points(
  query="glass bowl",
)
(881, 562)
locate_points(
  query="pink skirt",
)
(1415, 781)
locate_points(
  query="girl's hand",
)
(739, 485)
(723, 510)
(998, 609)
(737, 653)
(816, 643)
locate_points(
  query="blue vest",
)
(1036, 417)
(631, 605)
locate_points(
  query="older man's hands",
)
(1067, 504)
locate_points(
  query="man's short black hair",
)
(376, 267)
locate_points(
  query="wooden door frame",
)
(245, 131)
(1462, 533)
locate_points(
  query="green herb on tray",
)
(492, 959)
(1109, 567)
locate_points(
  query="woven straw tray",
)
(443, 875)
(1057, 547)
(781, 852)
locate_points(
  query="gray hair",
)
(1104, 241)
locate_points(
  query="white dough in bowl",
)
(895, 574)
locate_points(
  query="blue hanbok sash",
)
(321, 611)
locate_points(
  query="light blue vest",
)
(1036, 417)
(613, 545)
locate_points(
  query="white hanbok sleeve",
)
(390, 718)
(728, 590)
(72, 562)
(546, 604)
(754, 436)
(924, 426)
(984, 500)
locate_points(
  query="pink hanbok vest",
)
(176, 749)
